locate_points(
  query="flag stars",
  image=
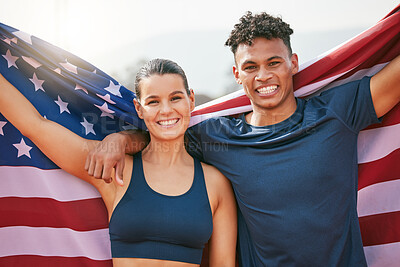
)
(23, 149)
(78, 87)
(107, 98)
(63, 105)
(37, 83)
(31, 62)
(2, 123)
(105, 111)
(113, 89)
(10, 59)
(88, 127)
(8, 40)
(69, 67)
(24, 36)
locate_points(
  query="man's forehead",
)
(261, 48)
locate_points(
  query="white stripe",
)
(379, 198)
(377, 143)
(386, 255)
(33, 182)
(202, 117)
(22, 240)
(314, 87)
(221, 99)
(357, 75)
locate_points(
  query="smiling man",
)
(292, 162)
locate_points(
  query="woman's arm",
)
(62, 146)
(222, 244)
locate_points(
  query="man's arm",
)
(110, 154)
(385, 87)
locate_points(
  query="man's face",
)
(265, 70)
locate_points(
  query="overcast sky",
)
(89, 28)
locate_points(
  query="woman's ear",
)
(138, 108)
(192, 100)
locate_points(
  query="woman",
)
(170, 204)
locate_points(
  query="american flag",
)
(49, 217)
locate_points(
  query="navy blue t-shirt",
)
(295, 182)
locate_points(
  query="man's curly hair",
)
(259, 25)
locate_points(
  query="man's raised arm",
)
(110, 153)
(385, 87)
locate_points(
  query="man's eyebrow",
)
(176, 92)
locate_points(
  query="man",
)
(292, 162)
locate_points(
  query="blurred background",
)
(119, 36)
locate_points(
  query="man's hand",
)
(110, 153)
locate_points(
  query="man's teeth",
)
(267, 90)
(168, 122)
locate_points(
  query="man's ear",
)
(295, 63)
(192, 100)
(138, 108)
(236, 74)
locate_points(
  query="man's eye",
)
(274, 63)
(249, 67)
(175, 98)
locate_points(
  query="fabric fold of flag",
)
(50, 217)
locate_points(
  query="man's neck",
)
(265, 117)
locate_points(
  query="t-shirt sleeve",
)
(193, 141)
(352, 103)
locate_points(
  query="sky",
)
(114, 35)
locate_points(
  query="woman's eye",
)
(152, 102)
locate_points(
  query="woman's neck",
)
(166, 152)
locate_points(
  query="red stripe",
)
(381, 170)
(362, 48)
(231, 103)
(42, 261)
(81, 215)
(391, 118)
(380, 229)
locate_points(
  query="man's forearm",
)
(135, 140)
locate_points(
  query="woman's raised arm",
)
(62, 146)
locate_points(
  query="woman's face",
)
(165, 106)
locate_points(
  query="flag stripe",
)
(378, 198)
(373, 144)
(391, 118)
(37, 182)
(42, 261)
(83, 215)
(380, 228)
(64, 242)
(382, 170)
(383, 255)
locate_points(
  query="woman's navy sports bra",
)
(147, 224)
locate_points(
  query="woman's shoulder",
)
(213, 177)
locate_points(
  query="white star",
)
(10, 59)
(106, 97)
(105, 111)
(78, 87)
(38, 83)
(2, 123)
(24, 36)
(68, 66)
(32, 62)
(88, 127)
(113, 89)
(23, 149)
(94, 71)
(63, 105)
(8, 40)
